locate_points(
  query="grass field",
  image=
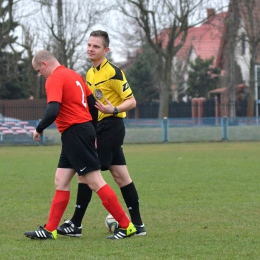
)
(198, 201)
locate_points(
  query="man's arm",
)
(92, 109)
(127, 104)
(49, 117)
(109, 108)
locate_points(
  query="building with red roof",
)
(210, 40)
(205, 40)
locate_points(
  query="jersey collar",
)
(100, 66)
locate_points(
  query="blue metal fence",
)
(148, 130)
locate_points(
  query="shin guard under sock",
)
(83, 198)
(130, 196)
(111, 203)
(58, 206)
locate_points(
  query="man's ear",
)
(107, 50)
(44, 64)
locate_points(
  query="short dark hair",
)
(103, 35)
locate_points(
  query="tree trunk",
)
(250, 101)
(231, 89)
(61, 57)
(251, 93)
(164, 70)
(164, 102)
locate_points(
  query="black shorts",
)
(110, 138)
(78, 149)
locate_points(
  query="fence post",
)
(225, 128)
(165, 130)
(3, 109)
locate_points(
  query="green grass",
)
(198, 201)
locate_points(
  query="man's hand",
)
(105, 109)
(36, 136)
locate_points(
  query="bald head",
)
(44, 62)
(43, 55)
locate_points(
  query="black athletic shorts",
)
(110, 138)
(78, 149)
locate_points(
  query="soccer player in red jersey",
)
(68, 104)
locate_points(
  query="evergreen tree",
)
(202, 77)
(141, 77)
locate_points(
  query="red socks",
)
(111, 203)
(58, 206)
(107, 196)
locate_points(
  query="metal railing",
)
(149, 130)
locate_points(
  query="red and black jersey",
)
(69, 89)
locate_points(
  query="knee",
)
(122, 180)
(118, 180)
(120, 175)
(61, 185)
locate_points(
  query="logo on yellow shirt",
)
(98, 94)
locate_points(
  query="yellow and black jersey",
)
(108, 81)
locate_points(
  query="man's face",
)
(95, 49)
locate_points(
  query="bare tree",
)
(28, 40)
(60, 26)
(68, 23)
(165, 25)
(251, 23)
(231, 67)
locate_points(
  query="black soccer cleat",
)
(140, 230)
(123, 232)
(69, 229)
(41, 233)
